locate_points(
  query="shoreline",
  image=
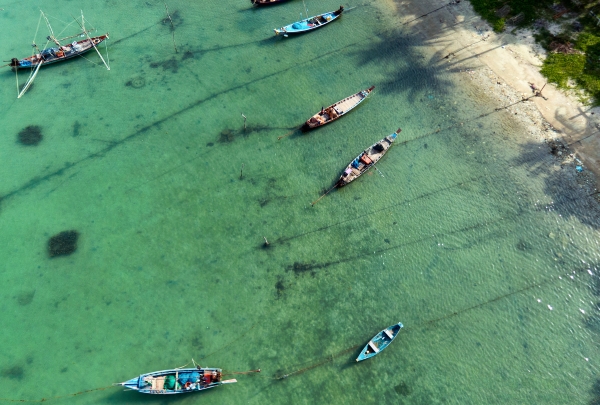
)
(509, 71)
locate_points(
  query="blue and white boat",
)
(311, 23)
(177, 381)
(380, 341)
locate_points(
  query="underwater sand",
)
(465, 235)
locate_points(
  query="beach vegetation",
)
(573, 60)
(499, 12)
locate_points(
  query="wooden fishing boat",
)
(335, 111)
(266, 2)
(366, 160)
(379, 342)
(59, 53)
(177, 381)
(309, 24)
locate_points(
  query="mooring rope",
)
(331, 357)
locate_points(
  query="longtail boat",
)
(58, 54)
(177, 381)
(379, 342)
(62, 51)
(266, 2)
(335, 111)
(309, 24)
(366, 159)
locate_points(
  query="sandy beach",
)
(504, 68)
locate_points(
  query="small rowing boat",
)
(177, 381)
(309, 24)
(366, 159)
(379, 342)
(335, 111)
(266, 2)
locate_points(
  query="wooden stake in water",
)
(243, 116)
(172, 26)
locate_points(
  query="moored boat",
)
(366, 159)
(177, 381)
(335, 111)
(309, 24)
(379, 342)
(58, 53)
(266, 2)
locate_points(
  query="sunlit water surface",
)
(464, 234)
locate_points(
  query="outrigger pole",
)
(30, 81)
(92, 42)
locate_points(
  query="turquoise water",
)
(466, 235)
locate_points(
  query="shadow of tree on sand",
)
(410, 71)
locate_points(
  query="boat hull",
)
(380, 341)
(53, 55)
(336, 110)
(176, 381)
(260, 3)
(366, 159)
(309, 24)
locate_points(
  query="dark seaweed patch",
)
(25, 298)
(31, 135)
(175, 18)
(210, 144)
(76, 129)
(523, 245)
(63, 244)
(226, 136)
(403, 389)
(15, 372)
(137, 82)
(300, 268)
(169, 64)
(187, 55)
(279, 287)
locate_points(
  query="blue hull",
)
(379, 342)
(309, 24)
(176, 381)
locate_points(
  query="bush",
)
(499, 25)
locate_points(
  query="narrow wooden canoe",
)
(57, 54)
(309, 24)
(335, 111)
(177, 381)
(366, 159)
(379, 342)
(266, 2)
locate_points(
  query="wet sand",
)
(504, 68)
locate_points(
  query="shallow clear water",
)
(466, 235)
